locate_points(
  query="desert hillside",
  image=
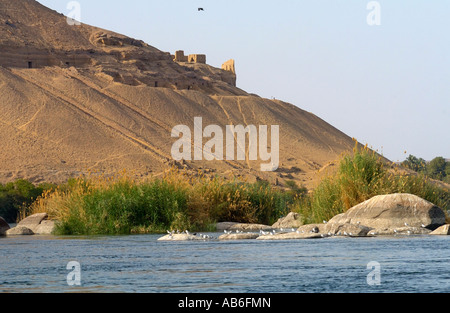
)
(77, 99)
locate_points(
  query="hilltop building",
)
(192, 58)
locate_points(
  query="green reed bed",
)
(121, 205)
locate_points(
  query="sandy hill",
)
(75, 99)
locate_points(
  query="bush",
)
(17, 196)
(360, 177)
(438, 168)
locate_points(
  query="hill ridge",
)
(109, 102)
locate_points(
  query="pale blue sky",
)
(387, 85)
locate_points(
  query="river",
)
(141, 264)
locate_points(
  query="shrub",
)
(360, 177)
(16, 196)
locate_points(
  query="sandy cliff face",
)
(94, 100)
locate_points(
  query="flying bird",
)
(201, 9)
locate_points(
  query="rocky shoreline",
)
(37, 224)
(388, 215)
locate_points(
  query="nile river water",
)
(142, 264)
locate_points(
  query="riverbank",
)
(100, 205)
(393, 214)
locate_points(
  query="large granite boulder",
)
(335, 229)
(4, 227)
(38, 224)
(312, 228)
(347, 229)
(400, 231)
(33, 221)
(442, 231)
(46, 227)
(19, 231)
(292, 220)
(393, 211)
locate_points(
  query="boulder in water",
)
(392, 212)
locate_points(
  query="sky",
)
(387, 85)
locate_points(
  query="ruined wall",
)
(192, 58)
(197, 58)
(180, 57)
(229, 74)
(229, 66)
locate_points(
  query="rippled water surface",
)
(142, 264)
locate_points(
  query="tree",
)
(414, 163)
(437, 168)
(14, 196)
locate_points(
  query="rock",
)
(224, 226)
(250, 227)
(46, 227)
(392, 212)
(180, 237)
(347, 229)
(400, 231)
(292, 220)
(291, 236)
(38, 223)
(312, 228)
(32, 222)
(231, 226)
(442, 231)
(4, 227)
(334, 229)
(240, 236)
(20, 231)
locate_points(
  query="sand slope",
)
(105, 113)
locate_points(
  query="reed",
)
(177, 200)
